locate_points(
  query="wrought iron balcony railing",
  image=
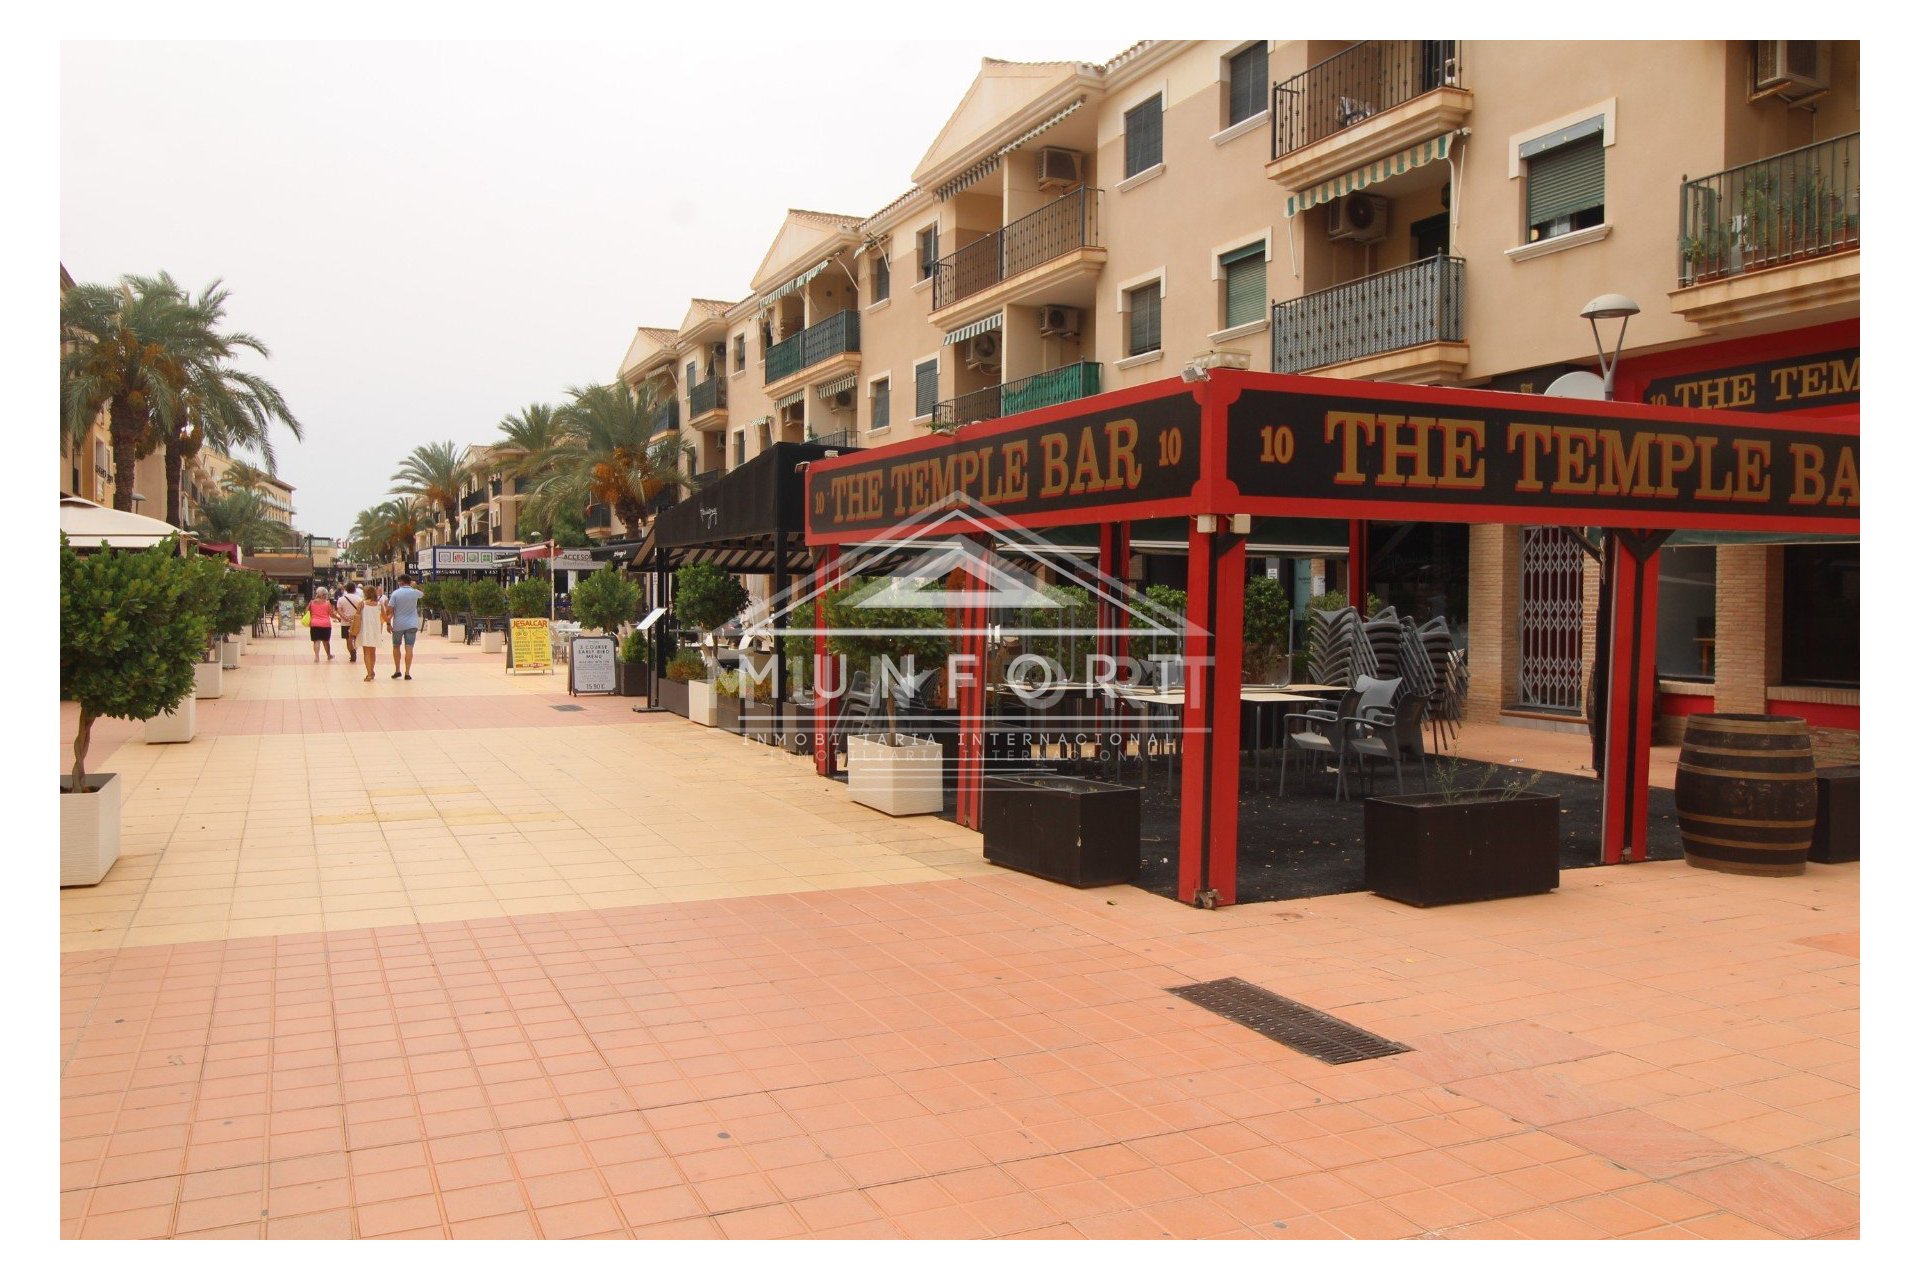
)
(1800, 204)
(705, 397)
(599, 516)
(668, 417)
(468, 501)
(1050, 232)
(837, 439)
(817, 342)
(1371, 77)
(1055, 386)
(1408, 306)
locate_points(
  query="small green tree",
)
(455, 597)
(1143, 643)
(487, 600)
(605, 599)
(239, 598)
(207, 580)
(1266, 627)
(798, 647)
(430, 596)
(530, 598)
(1077, 619)
(872, 636)
(129, 636)
(707, 597)
(635, 649)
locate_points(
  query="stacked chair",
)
(1341, 649)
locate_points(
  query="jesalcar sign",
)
(1491, 457)
(1131, 451)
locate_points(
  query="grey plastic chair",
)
(1324, 733)
(1387, 733)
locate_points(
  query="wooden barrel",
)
(1746, 795)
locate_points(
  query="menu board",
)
(590, 665)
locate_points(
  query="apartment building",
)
(1414, 211)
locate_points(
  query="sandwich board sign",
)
(531, 650)
(590, 665)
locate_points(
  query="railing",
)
(668, 417)
(705, 397)
(494, 488)
(813, 344)
(1055, 386)
(1050, 232)
(468, 501)
(837, 439)
(1405, 307)
(599, 516)
(1371, 77)
(1799, 204)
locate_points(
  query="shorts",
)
(320, 633)
(404, 635)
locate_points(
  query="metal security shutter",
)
(882, 280)
(926, 388)
(1567, 180)
(1245, 272)
(1247, 83)
(882, 404)
(1143, 320)
(1143, 136)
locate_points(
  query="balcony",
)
(1055, 386)
(1779, 237)
(707, 403)
(600, 517)
(1062, 237)
(833, 338)
(468, 501)
(704, 478)
(668, 418)
(1362, 104)
(495, 487)
(1402, 325)
(837, 439)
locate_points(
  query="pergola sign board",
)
(1238, 444)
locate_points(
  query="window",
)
(1820, 617)
(929, 251)
(882, 416)
(1566, 180)
(739, 447)
(766, 338)
(926, 387)
(692, 373)
(882, 280)
(1247, 83)
(1143, 136)
(1243, 280)
(1683, 641)
(1143, 319)
(739, 352)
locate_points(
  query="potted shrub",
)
(488, 602)
(683, 670)
(129, 638)
(1074, 830)
(1469, 841)
(1266, 628)
(893, 772)
(705, 597)
(726, 701)
(207, 575)
(796, 725)
(604, 599)
(633, 665)
(530, 598)
(456, 598)
(435, 622)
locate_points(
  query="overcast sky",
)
(431, 236)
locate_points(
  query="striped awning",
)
(764, 420)
(970, 176)
(828, 390)
(978, 327)
(794, 285)
(790, 399)
(1366, 175)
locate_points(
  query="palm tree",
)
(433, 473)
(527, 435)
(386, 528)
(607, 454)
(244, 477)
(239, 518)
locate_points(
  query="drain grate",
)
(564, 706)
(1319, 1035)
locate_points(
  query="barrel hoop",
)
(1773, 846)
(1759, 726)
(1748, 868)
(1802, 750)
(1747, 773)
(1746, 822)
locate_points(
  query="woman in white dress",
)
(370, 633)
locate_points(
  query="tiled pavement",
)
(381, 982)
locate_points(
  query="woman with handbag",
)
(320, 624)
(371, 607)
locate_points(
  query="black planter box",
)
(1072, 830)
(672, 696)
(726, 713)
(1480, 846)
(631, 679)
(1836, 822)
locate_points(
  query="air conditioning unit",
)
(843, 399)
(1056, 168)
(983, 351)
(1060, 322)
(1357, 217)
(1792, 70)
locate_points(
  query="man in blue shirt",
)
(405, 604)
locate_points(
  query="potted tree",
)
(683, 669)
(435, 620)
(605, 599)
(1266, 628)
(893, 772)
(488, 602)
(1472, 839)
(726, 701)
(207, 575)
(706, 597)
(796, 726)
(530, 598)
(456, 597)
(129, 638)
(633, 665)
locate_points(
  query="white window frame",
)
(1224, 82)
(1139, 95)
(1606, 109)
(1157, 276)
(918, 418)
(1219, 276)
(886, 376)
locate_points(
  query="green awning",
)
(1367, 174)
(973, 330)
(1728, 538)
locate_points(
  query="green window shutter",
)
(882, 280)
(1143, 320)
(1246, 280)
(882, 404)
(1247, 83)
(1143, 136)
(1567, 180)
(926, 388)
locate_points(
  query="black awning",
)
(736, 521)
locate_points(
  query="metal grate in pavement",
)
(564, 706)
(1309, 1031)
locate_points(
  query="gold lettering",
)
(1531, 438)
(1809, 474)
(1123, 471)
(1013, 456)
(1574, 449)
(1676, 455)
(1750, 478)
(1053, 464)
(1347, 428)
(1086, 466)
(1846, 480)
(1461, 466)
(1706, 488)
(1625, 470)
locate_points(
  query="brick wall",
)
(1493, 620)
(1748, 589)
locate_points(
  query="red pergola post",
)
(1357, 555)
(1210, 754)
(971, 695)
(826, 575)
(1633, 577)
(1116, 548)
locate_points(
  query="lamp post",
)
(1608, 306)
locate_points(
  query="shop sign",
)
(590, 665)
(1768, 386)
(532, 646)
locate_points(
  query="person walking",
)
(403, 616)
(371, 610)
(347, 610)
(320, 624)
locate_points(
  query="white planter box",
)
(173, 726)
(206, 680)
(457, 632)
(240, 637)
(89, 830)
(229, 653)
(700, 707)
(492, 642)
(896, 780)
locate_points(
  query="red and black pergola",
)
(1236, 445)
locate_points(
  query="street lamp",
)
(1609, 306)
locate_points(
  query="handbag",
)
(306, 617)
